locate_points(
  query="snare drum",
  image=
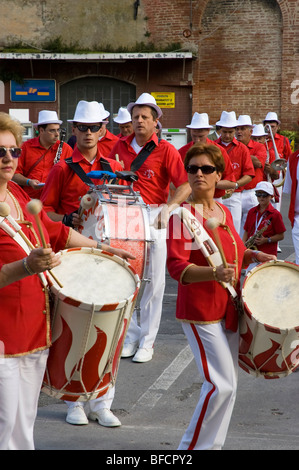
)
(90, 318)
(269, 326)
(120, 219)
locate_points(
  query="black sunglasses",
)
(258, 194)
(93, 128)
(205, 169)
(15, 152)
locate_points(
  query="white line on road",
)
(166, 379)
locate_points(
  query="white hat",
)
(244, 120)
(200, 121)
(105, 113)
(227, 119)
(123, 116)
(258, 131)
(145, 100)
(271, 117)
(89, 112)
(47, 117)
(265, 186)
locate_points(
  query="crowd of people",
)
(225, 175)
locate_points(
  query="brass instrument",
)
(250, 243)
(59, 150)
(279, 164)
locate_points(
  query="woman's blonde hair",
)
(7, 123)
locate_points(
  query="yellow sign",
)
(164, 100)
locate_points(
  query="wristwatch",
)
(236, 187)
(269, 240)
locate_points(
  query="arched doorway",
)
(109, 91)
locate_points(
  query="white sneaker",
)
(129, 349)
(143, 355)
(76, 415)
(105, 417)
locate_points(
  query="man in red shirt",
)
(38, 154)
(61, 197)
(258, 156)
(107, 140)
(281, 142)
(64, 188)
(199, 130)
(240, 159)
(124, 121)
(161, 167)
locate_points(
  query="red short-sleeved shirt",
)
(254, 222)
(24, 304)
(163, 165)
(208, 301)
(106, 143)
(32, 150)
(258, 150)
(64, 188)
(240, 159)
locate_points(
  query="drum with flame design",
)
(90, 317)
(269, 326)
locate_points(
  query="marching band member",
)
(25, 335)
(38, 154)
(241, 162)
(209, 317)
(124, 121)
(161, 167)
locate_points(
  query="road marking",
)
(166, 379)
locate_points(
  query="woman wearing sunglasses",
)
(209, 317)
(25, 335)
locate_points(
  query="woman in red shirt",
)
(25, 335)
(209, 317)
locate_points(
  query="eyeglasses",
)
(93, 128)
(262, 194)
(15, 152)
(205, 169)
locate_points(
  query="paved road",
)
(155, 400)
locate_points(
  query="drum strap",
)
(76, 167)
(204, 242)
(142, 155)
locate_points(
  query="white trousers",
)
(104, 401)
(215, 351)
(152, 298)
(234, 205)
(249, 200)
(20, 384)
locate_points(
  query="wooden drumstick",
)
(34, 207)
(213, 225)
(5, 212)
(86, 203)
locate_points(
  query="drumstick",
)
(5, 212)
(87, 202)
(34, 207)
(213, 224)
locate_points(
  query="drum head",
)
(91, 277)
(270, 294)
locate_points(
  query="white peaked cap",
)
(123, 116)
(47, 117)
(199, 121)
(227, 119)
(244, 120)
(271, 116)
(145, 100)
(89, 112)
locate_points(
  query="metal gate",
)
(109, 91)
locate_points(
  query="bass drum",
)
(269, 326)
(90, 318)
(119, 219)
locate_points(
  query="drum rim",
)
(97, 307)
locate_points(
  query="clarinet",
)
(59, 150)
(250, 243)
